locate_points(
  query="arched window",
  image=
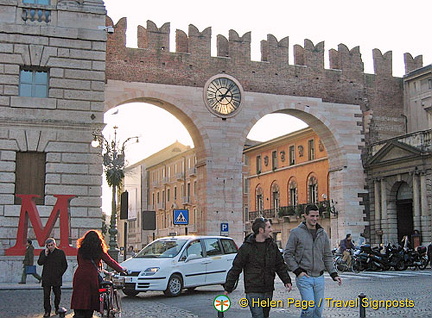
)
(259, 200)
(292, 193)
(275, 197)
(313, 190)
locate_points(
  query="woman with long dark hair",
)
(92, 249)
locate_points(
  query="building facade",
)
(164, 182)
(52, 92)
(399, 170)
(284, 174)
(58, 77)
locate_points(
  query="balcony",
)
(421, 140)
(192, 172)
(36, 14)
(326, 208)
(180, 176)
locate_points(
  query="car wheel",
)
(130, 292)
(175, 285)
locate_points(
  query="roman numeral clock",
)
(223, 95)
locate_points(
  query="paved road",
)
(412, 285)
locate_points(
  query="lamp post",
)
(113, 154)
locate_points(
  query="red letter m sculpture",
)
(30, 212)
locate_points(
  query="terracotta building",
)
(284, 174)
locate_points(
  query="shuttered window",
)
(30, 175)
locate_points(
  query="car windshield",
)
(166, 248)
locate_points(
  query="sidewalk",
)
(31, 284)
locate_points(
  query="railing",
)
(421, 140)
(325, 207)
(36, 15)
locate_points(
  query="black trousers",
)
(47, 297)
(83, 313)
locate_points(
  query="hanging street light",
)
(113, 154)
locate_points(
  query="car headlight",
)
(149, 271)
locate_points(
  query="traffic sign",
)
(224, 229)
(181, 217)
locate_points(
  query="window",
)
(274, 160)
(30, 175)
(175, 193)
(246, 186)
(212, 247)
(313, 190)
(258, 164)
(311, 149)
(292, 155)
(293, 193)
(33, 83)
(43, 2)
(168, 195)
(228, 246)
(275, 197)
(259, 200)
(194, 248)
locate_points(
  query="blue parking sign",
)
(224, 228)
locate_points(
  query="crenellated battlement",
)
(191, 64)
(198, 44)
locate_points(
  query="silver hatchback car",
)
(170, 264)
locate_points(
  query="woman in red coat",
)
(85, 296)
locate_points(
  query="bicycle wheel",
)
(116, 304)
(105, 305)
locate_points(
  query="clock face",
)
(223, 95)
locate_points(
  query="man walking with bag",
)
(29, 261)
(54, 265)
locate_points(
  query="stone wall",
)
(60, 125)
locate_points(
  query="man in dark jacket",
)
(259, 258)
(29, 261)
(54, 265)
(308, 255)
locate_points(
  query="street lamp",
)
(113, 154)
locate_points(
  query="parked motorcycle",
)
(416, 258)
(370, 258)
(395, 257)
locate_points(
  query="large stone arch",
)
(219, 146)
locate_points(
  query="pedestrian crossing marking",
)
(180, 218)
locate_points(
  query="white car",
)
(170, 264)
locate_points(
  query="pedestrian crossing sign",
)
(181, 217)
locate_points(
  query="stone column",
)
(377, 207)
(416, 202)
(425, 214)
(384, 220)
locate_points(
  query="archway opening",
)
(404, 211)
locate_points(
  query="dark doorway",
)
(405, 224)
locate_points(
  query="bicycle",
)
(109, 295)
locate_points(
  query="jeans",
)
(312, 288)
(254, 301)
